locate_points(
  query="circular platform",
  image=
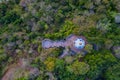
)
(46, 43)
(76, 43)
(79, 43)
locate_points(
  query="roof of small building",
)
(75, 43)
(79, 43)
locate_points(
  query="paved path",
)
(68, 43)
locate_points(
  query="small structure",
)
(72, 42)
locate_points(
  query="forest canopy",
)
(25, 23)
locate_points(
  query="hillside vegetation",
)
(25, 23)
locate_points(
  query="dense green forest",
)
(25, 23)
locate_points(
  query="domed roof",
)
(79, 43)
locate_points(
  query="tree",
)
(113, 72)
(3, 8)
(10, 17)
(98, 62)
(78, 68)
(50, 63)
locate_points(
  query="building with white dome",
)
(73, 42)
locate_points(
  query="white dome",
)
(79, 43)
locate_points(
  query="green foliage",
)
(59, 64)
(69, 59)
(60, 69)
(59, 16)
(10, 17)
(39, 49)
(113, 72)
(104, 25)
(78, 68)
(50, 63)
(108, 44)
(3, 8)
(56, 19)
(89, 48)
(98, 62)
(56, 52)
(3, 56)
(22, 78)
(67, 29)
(63, 70)
(116, 51)
(39, 78)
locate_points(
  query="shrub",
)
(113, 72)
(10, 16)
(78, 68)
(98, 63)
(50, 63)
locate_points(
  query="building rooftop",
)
(73, 42)
(79, 43)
